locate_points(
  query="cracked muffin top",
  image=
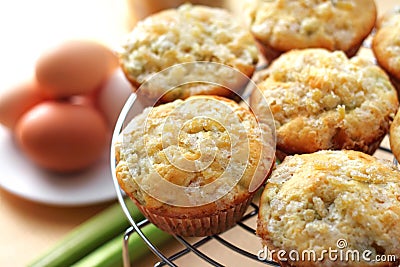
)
(323, 100)
(204, 141)
(312, 201)
(186, 34)
(283, 25)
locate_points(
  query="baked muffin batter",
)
(323, 100)
(187, 34)
(282, 25)
(168, 152)
(386, 44)
(312, 201)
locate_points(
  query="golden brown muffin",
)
(343, 200)
(323, 100)
(386, 44)
(187, 34)
(282, 25)
(192, 166)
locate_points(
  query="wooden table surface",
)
(28, 28)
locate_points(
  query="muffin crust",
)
(186, 34)
(224, 148)
(283, 25)
(313, 200)
(322, 100)
(386, 44)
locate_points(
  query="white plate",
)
(21, 177)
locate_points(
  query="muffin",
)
(346, 201)
(322, 100)
(386, 44)
(282, 25)
(192, 166)
(189, 33)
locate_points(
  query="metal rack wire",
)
(194, 247)
(191, 247)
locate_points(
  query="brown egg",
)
(112, 96)
(74, 68)
(17, 100)
(61, 136)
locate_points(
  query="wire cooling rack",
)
(232, 245)
(193, 246)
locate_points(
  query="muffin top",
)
(323, 100)
(193, 152)
(386, 42)
(312, 201)
(186, 34)
(289, 24)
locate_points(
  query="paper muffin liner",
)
(198, 227)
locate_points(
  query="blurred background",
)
(28, 28)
